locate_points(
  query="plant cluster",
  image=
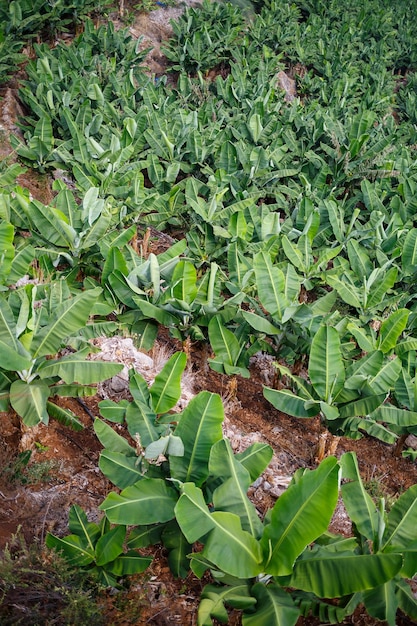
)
(273, 569)
(298, 213)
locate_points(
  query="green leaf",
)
(255, 458)
(11, 360)
(326, 369)
(314, 499)
(200, 426)
(401, 525)
(214, 597)
(391, 329)
(333, 574)
(225, 345)
(174, 540)
(270, 282)
(74, 549)
(166, 389)
(149, 501)
(261, 324)
(227, 546)
(120, 469)
(382, 602)
(75, 368)
(128, 564)
(110, 545)
(287, 402)
(141, 421)
(79, 525)
(7, 325)
(385, 379)
(29, 401)
(409, 253)
(69, 317)
(64, 416)
(112, 440)
(274, 607)
(358, 502)
(113, 411)
(407, 601)
(184, 282)
(231, 494)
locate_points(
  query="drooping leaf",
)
(29, 401)
(149, 501)
(274, 607)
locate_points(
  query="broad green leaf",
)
(391, 329)
(79, 525)
(110, 545)
(358, 502)
(75, 368)
(113, 411)
(381, 602)
(7, 325)
(184, 282)
(149, 501)
(144, 536)
(346, 290)
(270, 282)
(333, 574)
(112, 440)
(274, 607)
(409, 253)
(138, 387)
(314, 499)
(141, 421)
(214, 598)
(200, 426)
(11, 360)
(231, 549)
(359, 259)
(178, 547)
(120, 469)
(287, 402)
(402, 521)
(407, 601)
(255, 458)
(74, 548)
(166, 389)
(224, 343)
(326, 369)
(70, 317)
(362, 407)
(231, 494)
(64, 416)
(385, 379)
(29, 401)
(128, 564)
(382, 281)
(261, 324)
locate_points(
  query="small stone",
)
(411, 442)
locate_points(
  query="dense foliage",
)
(283, 160)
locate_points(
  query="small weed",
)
(145, 6)
(377, 490)
(37, 587)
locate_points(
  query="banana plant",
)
(98, 549)
(35, 324)
(345, 396)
